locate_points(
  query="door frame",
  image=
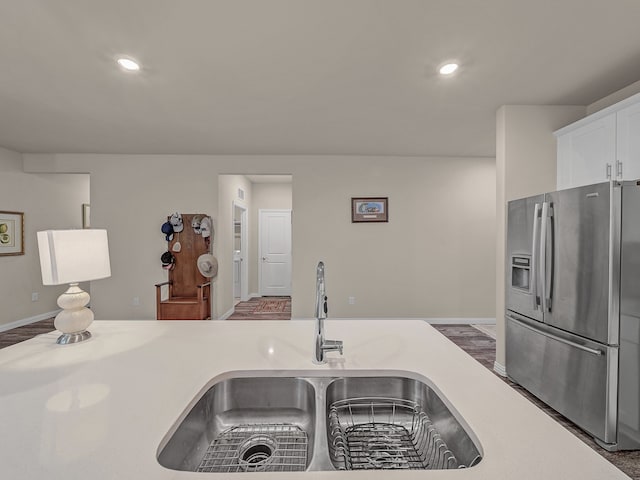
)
(260, 233)
(244, 264)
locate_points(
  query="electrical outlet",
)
(35, 296)
(352, 300)
(136, 301)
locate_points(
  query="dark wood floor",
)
(250, 310)
(20, 334)
(475, 343)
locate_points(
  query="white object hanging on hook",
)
(177, 246)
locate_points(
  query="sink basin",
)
(393, 423)
(246, 424)
(265, 424)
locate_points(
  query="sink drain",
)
(257, 448)
(256, 453)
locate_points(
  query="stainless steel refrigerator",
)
(573, 306)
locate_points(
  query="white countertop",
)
(100, 409)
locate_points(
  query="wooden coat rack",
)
(189, 292)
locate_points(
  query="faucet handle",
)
(333, 345)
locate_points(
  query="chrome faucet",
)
(322, 345)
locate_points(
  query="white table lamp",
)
(73, 256)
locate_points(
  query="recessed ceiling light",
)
(128, 64)
(448, 68)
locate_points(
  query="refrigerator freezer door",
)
(522, 252)
(576, 377)
(629, 390)
(577, 284)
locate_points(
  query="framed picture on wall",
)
(11, 233)
(369, 209)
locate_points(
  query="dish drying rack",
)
(385, 433)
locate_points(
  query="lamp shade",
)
(72, 256)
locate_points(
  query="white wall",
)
(435, 257)
(227, 195)
(48, 201)
(265, 196)
(526, 165)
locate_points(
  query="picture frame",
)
(86, 215)
(11, 233)
(369, 209)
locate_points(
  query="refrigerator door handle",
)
(543, 255)
(548, 269)
(593, 351)
(534, 255)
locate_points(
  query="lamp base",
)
(75, 318)
(68, 338)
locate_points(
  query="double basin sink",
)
(254, 423)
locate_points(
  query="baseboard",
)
(227, 314)
(488, 330)
(499, 369)
(253, 295)
(27, 321)
(461, 321)
(432, 321)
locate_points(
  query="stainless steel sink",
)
(246, 424)
(261, 423)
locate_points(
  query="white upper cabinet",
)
(628, 148)
(586, 155)
(601, 146)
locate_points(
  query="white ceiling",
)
(299, 76)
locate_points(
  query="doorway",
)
(274, 231)
(240, 264)
(240, 197)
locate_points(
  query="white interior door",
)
(275, 252)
